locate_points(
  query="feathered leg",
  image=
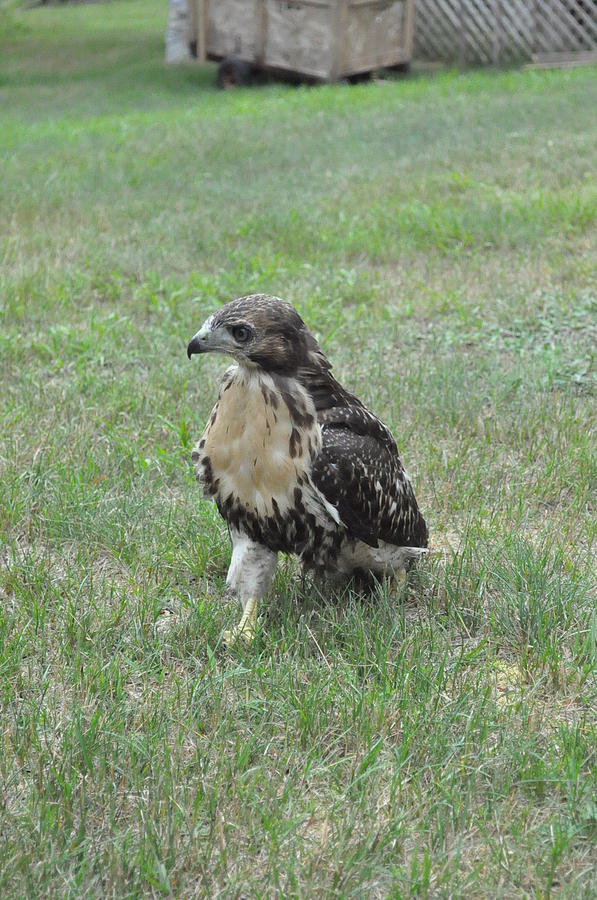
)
(250, 574)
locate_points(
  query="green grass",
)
(439, 235)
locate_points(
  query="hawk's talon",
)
(246, 628)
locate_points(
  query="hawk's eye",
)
(241, 334)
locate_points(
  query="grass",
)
(439, 235)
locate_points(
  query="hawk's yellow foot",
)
(246, 628)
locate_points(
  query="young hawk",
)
(294, 461)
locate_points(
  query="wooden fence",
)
(498, 31)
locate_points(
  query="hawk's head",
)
(257, 330)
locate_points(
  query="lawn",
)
(439, 234)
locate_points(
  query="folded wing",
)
(358, 471)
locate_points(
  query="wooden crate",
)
(322, 39)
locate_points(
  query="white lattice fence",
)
(494, 31)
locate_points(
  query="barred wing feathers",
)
(358, 471)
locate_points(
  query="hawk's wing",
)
(359, 472)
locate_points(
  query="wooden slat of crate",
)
(374, 35)
(300, 39)
(234, 28)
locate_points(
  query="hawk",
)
(295, 462)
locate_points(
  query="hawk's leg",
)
(250, 574)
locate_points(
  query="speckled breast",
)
(255, 454)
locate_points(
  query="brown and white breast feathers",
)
(259, 443)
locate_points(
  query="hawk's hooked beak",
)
(197, 345)
(212, 338)
(202, 342)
